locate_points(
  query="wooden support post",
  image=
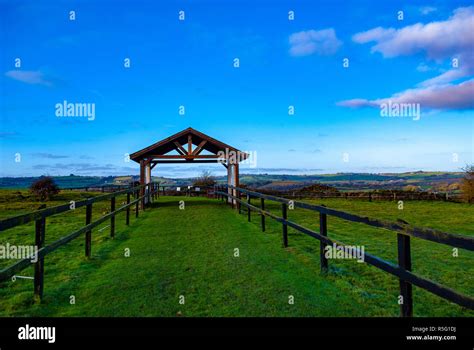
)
(229, 182)
(112, 218)
(127, 217)
(284, 215)
(323, 231)
(262, 206)
(142, 182)
(249, 213)
(39, 265)
(88, 233)
(236, 183)
(137, 195)
(404, 261)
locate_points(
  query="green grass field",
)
(190, 253)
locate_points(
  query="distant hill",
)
(340, 181)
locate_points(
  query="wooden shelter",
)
(178, 149)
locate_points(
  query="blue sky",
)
(282, 63)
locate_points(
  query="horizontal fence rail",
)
(144, 194)
(404, 232)
(367, 195)
(98, 188)
(174, 190)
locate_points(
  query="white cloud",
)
(320, 42)
(423, 67)
(426, 10)
(438, 41)
(433, 97)
(29, 77)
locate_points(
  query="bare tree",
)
(44, 188)
(205, 179)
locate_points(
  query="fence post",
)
(404, 261)
(127, 217)
(262, 206)
(112, 218)
(88, 233)
(39, 265)
(239, 205)
(323, 231)
(284, 214)
(232, 203)
(249, 214)
(149, 193)
(137, 195)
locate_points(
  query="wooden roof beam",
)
(199, 148)
(190, 144)
(180, 148)
(170, 161)
(177, 156)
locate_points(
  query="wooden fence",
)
(189, 191)
(233, 196)
(144, 194)
(97, 188)
(369, 195)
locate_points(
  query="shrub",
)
(467, 184)
(411, 188)
(205, 179)
(44, 188)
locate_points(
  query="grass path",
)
(190, 253)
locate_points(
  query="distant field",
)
(342, 181)
(190, 252)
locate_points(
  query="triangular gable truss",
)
(183, 142)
